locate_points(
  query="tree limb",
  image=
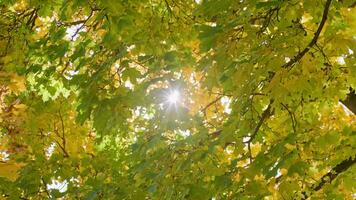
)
(350, 101)
(264, 116)
(335, 171)
(300, 55)
(341, 167)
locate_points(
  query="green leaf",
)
(132, 74)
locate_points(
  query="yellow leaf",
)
(242, 163)
(9, 170)
(17, 83)
(259, 177)
(289, 146)
(284, 171)
(6, 59)
(255, 149)
(236, 177)
(19, 108)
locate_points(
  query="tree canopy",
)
(177, 99)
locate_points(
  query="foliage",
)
(84, 86)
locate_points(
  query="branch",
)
(314, 40)
(83, 24)
(83, 21)
(216, 134)
(63, 134)
(264, 116)
(341, 167)
(267, 113)
(268, 19)
(210, 104)
(45, 188)
(170, 11)
(168, 6)
(292, 116)
(62, 145)
(73, 23)
(335, 171)
(350, 101)
(32, 19)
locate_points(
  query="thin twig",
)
(210, 104)
(45, 188)
(63, 134)
(292, 116)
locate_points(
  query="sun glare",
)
(173, 97)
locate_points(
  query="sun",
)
(173, 97)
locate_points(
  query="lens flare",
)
(173, 97)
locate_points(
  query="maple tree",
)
(177, 99)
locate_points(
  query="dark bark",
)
(350, 101)
(341, 167)
(329, 177)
